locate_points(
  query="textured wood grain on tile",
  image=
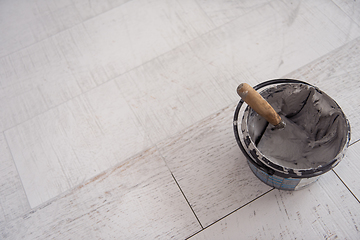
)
(222, 12)
(68, 144)
(85, 85)
(76, 60)
(192, 81)
(337, 74)
(32, 81)
(326, 209)
(172, 92)
(137, 199)
(131, 35)
(351, 8)
(349, 168)
(273, 39)
(210, 168)
(13, 201)
(28, 22)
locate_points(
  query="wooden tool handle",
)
(258, 103)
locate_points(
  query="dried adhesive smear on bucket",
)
(315, 129)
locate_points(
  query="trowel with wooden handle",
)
(260, 105)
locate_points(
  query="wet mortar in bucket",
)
(313, 142)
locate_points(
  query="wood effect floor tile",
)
(13, 200)
(210, 168)
(192, 81)
(337, 74)
(274, 39)
(78, 59)
(131, 35)
(137, 199)
(351, 8)
(349, 168)
(222, 12)
(90, 9)
(326, 209)
(32, 81)
(27, 22)
(66, 145)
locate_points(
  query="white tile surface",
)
(188, 83)
(68, 144)
(210, 168)
(131, 35)
(27, 22)
(13, 201)
(134, 200)
(92, 52)
(222, 12)
(84, 85)
(351, 8)
(32, 81)
(326, 210)
(273, 40)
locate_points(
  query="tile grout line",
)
(346, 185)
(354, 142)
(343, 181)
(140, 152)
(152, 59)
(114, 77)
(187, 200)
(178, 185)
(17, 171)
(153, 145)
(231, 212)
(350, 17)
(137, 66)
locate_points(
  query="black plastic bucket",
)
(268, 171)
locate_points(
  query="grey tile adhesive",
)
(314, 140)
